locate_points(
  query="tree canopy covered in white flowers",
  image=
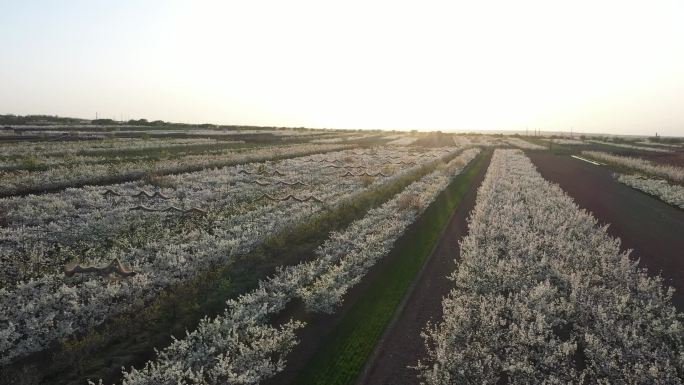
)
(92, 147)
(660, 188)
(17, 182)
(543, 295)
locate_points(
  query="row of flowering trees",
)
(93, 147)
(64, 176)
(660, 188)
(241, 347)
(543, 295)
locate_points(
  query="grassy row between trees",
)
(344, 352)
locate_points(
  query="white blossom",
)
(18, 181)
(661, 189)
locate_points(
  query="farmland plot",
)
(168, 236)
(543, 294)
(240, 346)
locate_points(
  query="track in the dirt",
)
(652, 229)
(401, 345)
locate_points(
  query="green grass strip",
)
(344, 351)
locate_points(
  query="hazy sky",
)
(597, 66)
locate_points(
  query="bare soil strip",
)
(651, 228)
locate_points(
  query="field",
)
(261, 255)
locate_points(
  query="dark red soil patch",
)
(401, 345)
(653, 229)
(675, 158)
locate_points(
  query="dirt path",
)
(401, 345)
(653, 229)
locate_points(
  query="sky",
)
(592, 66)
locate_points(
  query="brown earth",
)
(653, 229)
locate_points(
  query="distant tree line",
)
(36, 119)
(18, 120)
(145, 122)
